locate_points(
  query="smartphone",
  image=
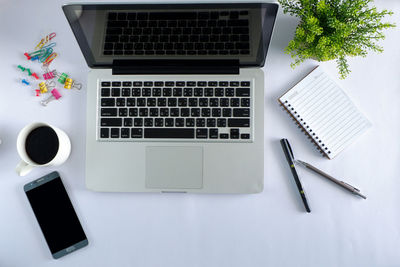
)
(56, 215)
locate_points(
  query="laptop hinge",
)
(156, 66)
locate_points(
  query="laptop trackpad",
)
(174, 167)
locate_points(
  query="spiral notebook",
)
(324, 112)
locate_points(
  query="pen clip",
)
(290, 149)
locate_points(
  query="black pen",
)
(290, 159)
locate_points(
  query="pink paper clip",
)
(55, 95)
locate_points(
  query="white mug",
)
(27, 164)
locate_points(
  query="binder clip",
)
(48, 75)
(69, 83)
(55, 95)
(62, 77)
(45, 86)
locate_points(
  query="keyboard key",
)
(226, 112)
(136, 92)
(148, 122)
(219, 91)
(245, 102)
(205, 112)
(216, 112)
(138, 122)
(143, 112)
(234, 84)
(213, 133)
(136, 133)
(235, 102)
(126, 92)
(174, 112)
(201, 133)
(209, 92)
(211, 122)
(188, 91)
(190, 122)
(221, 123)
(130, 102)
(180, 84)
(116, 92)
(123, 112)
(161, 102)
(238, 122)
(120, 102)
(244, 136)
(151, 102)
(172, 102)
(179, 122)
(242, 91)
(104, 133)
(105, 84)
(111, 122)
(234, 133)
(116, 84)
(229, 92)
(169, 122)
(182, 102)
(128, 122)
(195, 112)
(224, 136)
(105, 91)
(146, 91)
(164, 112)
(141, 102)
(168, 133)
(200, 122)
(137, 84)
(114, 132)
(203, 102)
(127, 84)
(214, 102)
(159, 122)
(177, 91)
(167, 91)
(224, 102)
(198, 91)
(241, 112)
(193, 102)
(108, 112)
(153, 112)
(133, 112)
(125, 133)
(156, 91)
(147, 84)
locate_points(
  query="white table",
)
(267, 229)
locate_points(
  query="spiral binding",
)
(322, 149)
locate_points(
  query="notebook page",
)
(325, 112)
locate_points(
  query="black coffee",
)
(41, 145)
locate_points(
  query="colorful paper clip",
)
(49, 59)
(46, 86)
(69, 83)
(45, 40)
(55, 95)
(37, 92)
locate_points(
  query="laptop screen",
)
(108, 32)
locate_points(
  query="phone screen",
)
(56, 216)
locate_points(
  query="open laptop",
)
(175, 96)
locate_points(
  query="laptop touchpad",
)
(174, 167)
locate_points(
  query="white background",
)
(267, 229)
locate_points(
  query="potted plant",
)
(334, 30)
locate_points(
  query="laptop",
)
(175, 95)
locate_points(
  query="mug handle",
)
(23, 168)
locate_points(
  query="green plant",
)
(334, 29)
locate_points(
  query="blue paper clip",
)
(25, 82)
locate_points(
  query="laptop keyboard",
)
(177, 33)
(148, 110)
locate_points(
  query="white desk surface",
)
(267, 229)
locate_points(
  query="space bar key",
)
(168, 133)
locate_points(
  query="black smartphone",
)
(56, 215)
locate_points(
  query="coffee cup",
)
(40, 144)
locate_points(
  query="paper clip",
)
(45, 86)
(69, 83)
(49, 59)
(37, 92)
(45, 40)
(30, 73)
(49, 74)
(55, 95)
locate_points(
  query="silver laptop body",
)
(166, 117)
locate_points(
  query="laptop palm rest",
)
(174, 167)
